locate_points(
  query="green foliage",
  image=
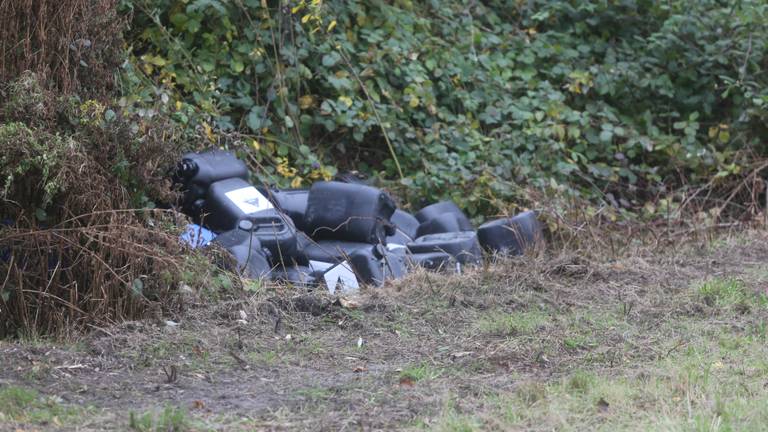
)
(170, 419)
(25, 152)
(23, 405)
(514, 324)
(420, 372)
(729, 292)
(473, 100)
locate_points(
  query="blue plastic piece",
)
(196, 236)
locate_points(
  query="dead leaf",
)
(461, 354)
(349, 303)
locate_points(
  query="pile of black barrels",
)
(340, 234)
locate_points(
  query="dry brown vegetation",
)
(74, 45)
(76, 247)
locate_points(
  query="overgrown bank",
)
(495, 105)
(80, 244)
(477, 101)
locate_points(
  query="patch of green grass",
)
(454, 422)
(22, 405)
(580, 382)
(714, 383)
(169, 419)
(450, 419)
(421, 372)
(728, 292)
(269, 358)
(512, 324)
(578, 342)
(315, 393)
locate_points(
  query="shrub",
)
(473, 101)
(74, 249)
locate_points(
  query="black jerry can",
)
(250, 258)
(276, 233)
(444, 223)
(198, 171)
(352, 212)
(511, 236)
(331, 251)
(229, 200)
(405, 225)
(462, 246)
(292, 202)
(440, 208)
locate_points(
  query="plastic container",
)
(375, 264)
(228, 201)
(296, 275)
(292, 202)
(331, 251)
(405, 225)
(443, 207)
(444, 223)
(432, 260)
(511, 236)
(198, 171)
(462, 246)
(250, 259)
(276, 233)
(351, 212)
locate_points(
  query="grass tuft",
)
(512, 324)
(169, 419)
(728, 292)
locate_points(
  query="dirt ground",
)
(671, 339)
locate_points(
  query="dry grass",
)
(73, 250)
(74, 44)
(670, 338)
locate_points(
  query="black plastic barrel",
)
(405, 225)
(352, 212)
(198, 171)
(250, 259)
(228, 201)
(463, 246)
(511, 236)
(292, 202)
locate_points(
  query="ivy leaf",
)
(237, 66)
(606, 136)
(331, 59)
(256, 120)
(346, 101)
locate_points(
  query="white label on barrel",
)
(249, 200)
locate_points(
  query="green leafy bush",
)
(474, 101)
